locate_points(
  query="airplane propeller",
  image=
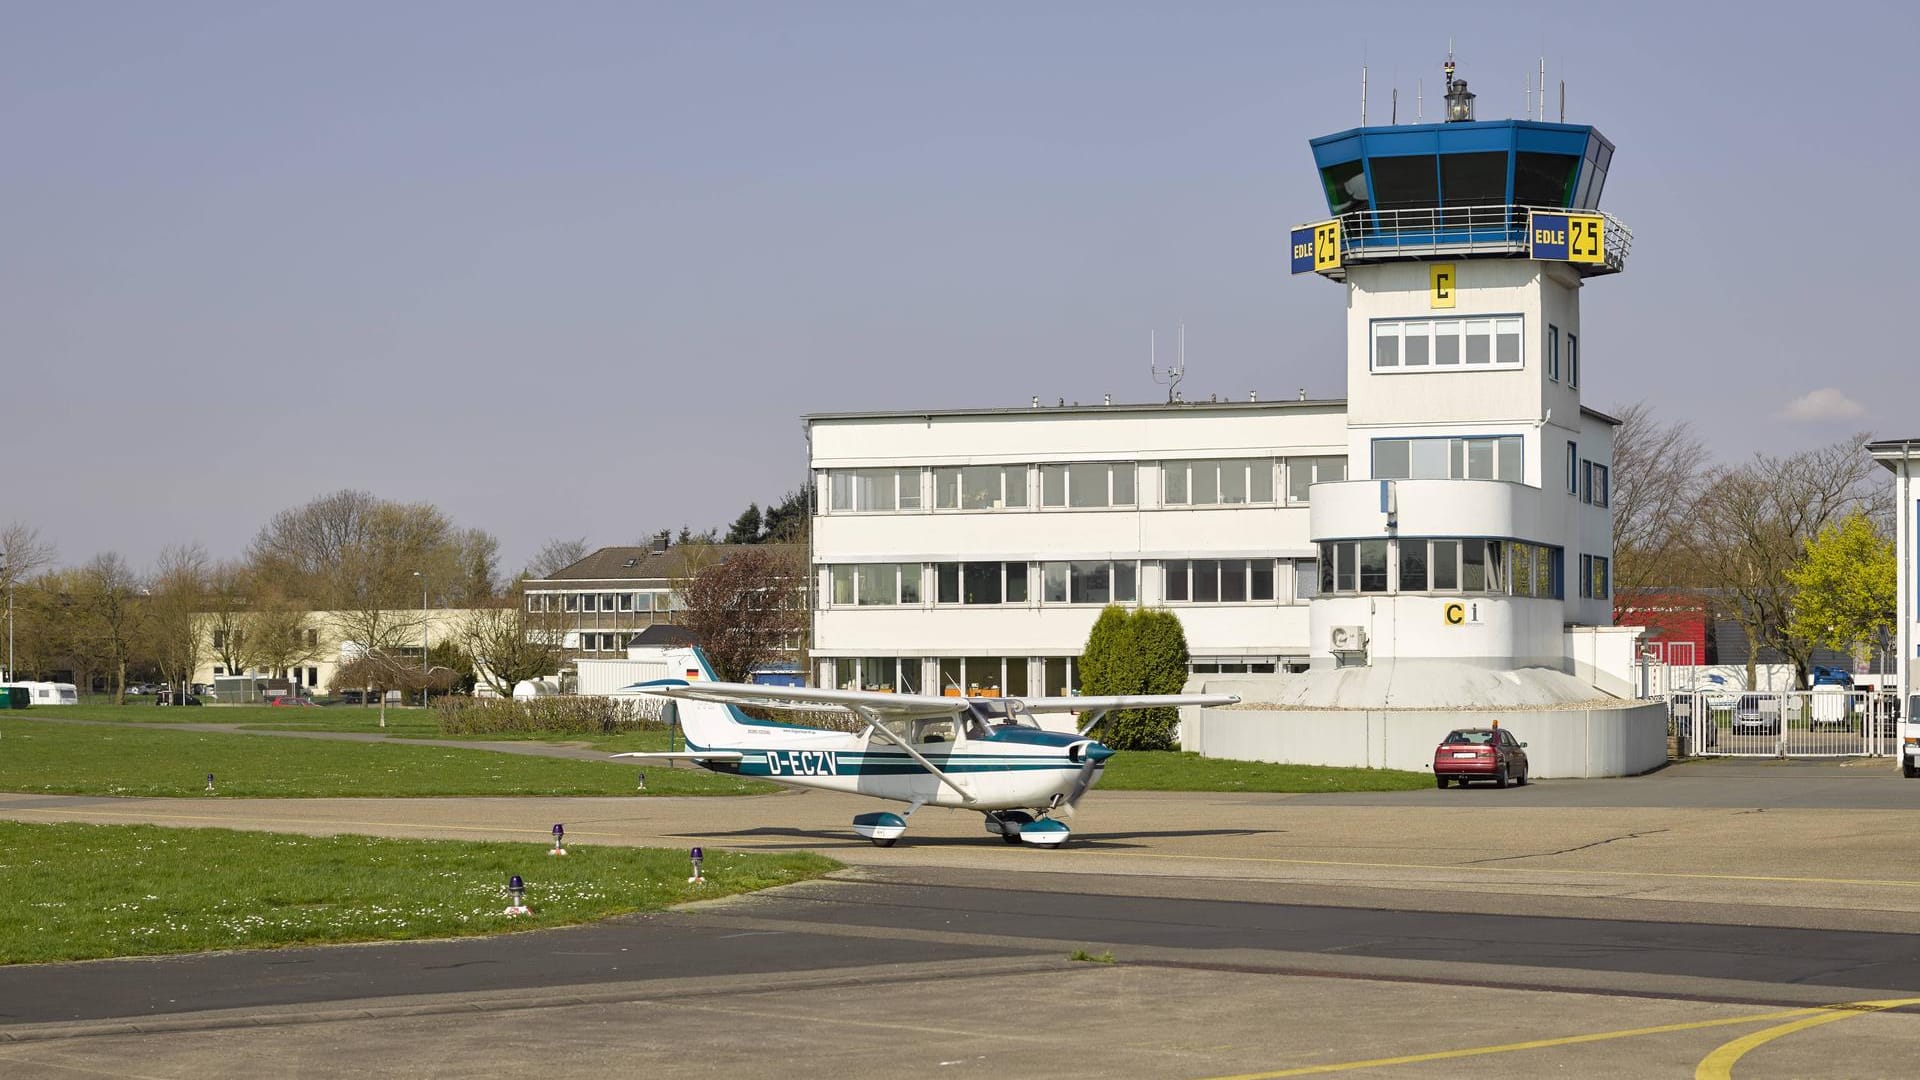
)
(1092, 755)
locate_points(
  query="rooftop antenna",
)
(1393, 117)
(1459, 98)
(1174, 373)
(1363, 95)
(1563, 101)
(1419, 101)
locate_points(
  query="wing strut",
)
(874, 728)
(1094, 716)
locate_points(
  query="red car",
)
(1480, 754)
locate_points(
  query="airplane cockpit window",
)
(940, 730)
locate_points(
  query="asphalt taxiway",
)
(1709, 920)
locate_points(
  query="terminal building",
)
(1438, 539)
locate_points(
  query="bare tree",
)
(1657, 470)
(368, 561)
(508, 644)
(277, 633)
(556, 555)
(22, 554)
(229, 587)
(112, 611)
(378, 671)
(746, 607)
(1752, 527)
(178, 623)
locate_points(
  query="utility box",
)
(15, 697)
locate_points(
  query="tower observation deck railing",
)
(1367, 235)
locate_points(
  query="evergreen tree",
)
(1140, 652)
(746, 527)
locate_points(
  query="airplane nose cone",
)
(1098, 752)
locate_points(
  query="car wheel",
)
(1440, 781)
(1523, 777)
(1908, 769)
(1500, 778)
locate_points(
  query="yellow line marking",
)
(1819, 1012)
(1719, 1064)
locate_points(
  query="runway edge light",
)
(559, 840)
(517, 894)
(696, 879)
(209, 783)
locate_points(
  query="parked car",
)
(290, 701)
(1680, 715)
(1480, 754)
(166, 698)
(1757, 714)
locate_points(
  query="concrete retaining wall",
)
(1616, 741)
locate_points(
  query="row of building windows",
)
(1096, 581)
(311, 636)
(1433, 565)
(1075, 486)
(1012, 676)
(1553, 356)
(598, 602)
(1596, 580)
(1447, 344)
(1590, 481)
(597, 642)
(1490, 457)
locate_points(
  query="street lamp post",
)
(4, 567)
(423, 637)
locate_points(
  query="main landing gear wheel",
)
(1008, 823)
(882, 828)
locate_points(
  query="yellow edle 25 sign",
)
(1326, 246)
(1444, 282)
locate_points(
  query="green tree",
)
(1138, 652)
(1846, 595)
(786, 521)
(746, 527)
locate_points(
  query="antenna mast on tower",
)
(1175, 372)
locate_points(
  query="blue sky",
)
(579, 268)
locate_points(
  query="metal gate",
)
(1828, 722)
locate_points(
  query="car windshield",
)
(1471, 738)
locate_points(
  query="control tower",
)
(1476, 534)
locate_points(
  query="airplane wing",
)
(686, 755)
(1123, 701)
(807, 697)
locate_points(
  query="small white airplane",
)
(984, 754)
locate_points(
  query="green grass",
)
(1174, 770)
(1133, 770)
(83, 759)
(78, 892)
(1086, 957)
(409, 723)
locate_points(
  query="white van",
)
(50, 693)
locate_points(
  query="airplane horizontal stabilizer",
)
(686, 755)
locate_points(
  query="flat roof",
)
(1079, 409)
(1136, 408)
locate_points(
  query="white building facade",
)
(972, 549)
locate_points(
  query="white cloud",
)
(1825, 403)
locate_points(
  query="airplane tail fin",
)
(705, 724)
